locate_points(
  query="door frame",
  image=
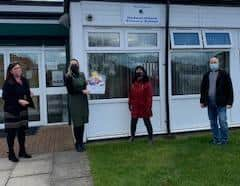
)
(42, 91)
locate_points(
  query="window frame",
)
(206, 45)
(54, 49)
(142, 32)
(191, 96)
(108, 30)
(7, 50)
(52, 90)
(173, 46)
(55, 94)
(120, 100)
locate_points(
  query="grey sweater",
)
(212, 86)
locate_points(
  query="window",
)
(188, 69)
(142, 40)
(186, 39)
(103, 39)
(118, 69)
(217, 39)
(55, 63)
(57, 108)
(29, 63)
(1, 70)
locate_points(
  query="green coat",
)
(78, 102)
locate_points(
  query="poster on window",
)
(96, 83)
(57, 78)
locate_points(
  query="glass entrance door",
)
(30, 62)
(44, 68)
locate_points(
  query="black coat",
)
(11, 93)
(224, 89)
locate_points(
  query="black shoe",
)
(80, 148)
(24, 155)
(12, 157)
(83, 146)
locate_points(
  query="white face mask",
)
(214, 66)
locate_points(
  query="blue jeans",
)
(216, 114)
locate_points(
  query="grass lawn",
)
(185, 161)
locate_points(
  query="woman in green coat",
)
(78, 101)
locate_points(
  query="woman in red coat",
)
(140, 101)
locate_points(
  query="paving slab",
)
(35, 157)
(87, 181)
(27, 168)
(69, 157)
(37, 180)
(4, 176)
(70, 170)
(5, 164)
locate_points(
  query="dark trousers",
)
(21, 135)
(147, 123)
(78, 134)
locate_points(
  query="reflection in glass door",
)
(30, 64)
(55, 65)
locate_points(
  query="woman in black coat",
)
(17, 98)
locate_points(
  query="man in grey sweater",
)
(217, 95)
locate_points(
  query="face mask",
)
(214, 66)
(139, 74)
(75, 69)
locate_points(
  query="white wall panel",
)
(235, 71)
(110, 14)
(186, 115)
(204, 16)
(112, 120)
(76, 36)
(184, 16)
(219, 17)
(104, 14)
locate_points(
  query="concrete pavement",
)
(67, 168)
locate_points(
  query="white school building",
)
(171, 39)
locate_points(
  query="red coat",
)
(140, 100)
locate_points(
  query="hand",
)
(202, 105)
(130, 107)
(229, 106)
(86, 92)
(23, 102)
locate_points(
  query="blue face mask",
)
(214, 66)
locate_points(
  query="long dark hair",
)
(145, 76)
(9, 74)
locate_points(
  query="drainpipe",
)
(67, 43)
(167, 68)
(67, 47)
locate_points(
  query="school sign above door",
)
(141, 15)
